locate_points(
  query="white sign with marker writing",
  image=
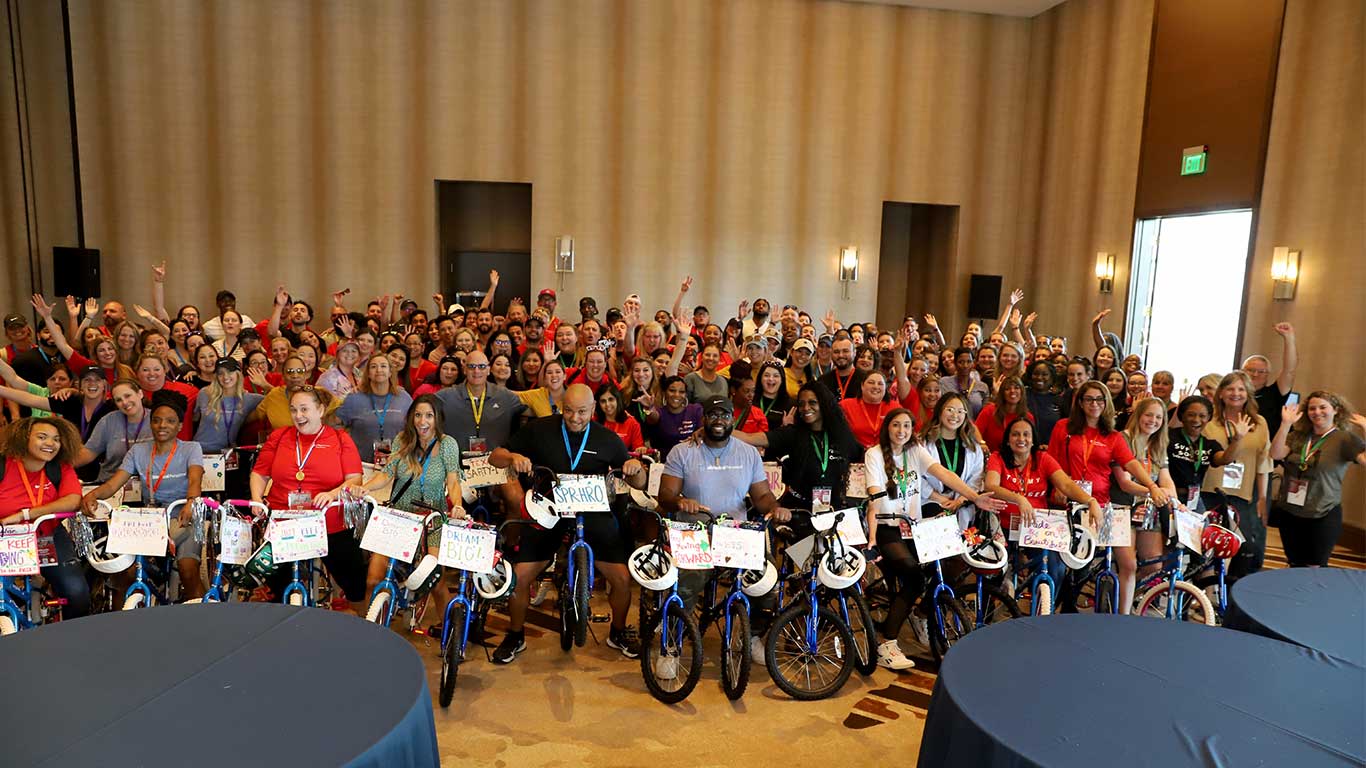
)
(392, 533)
(581, 493)
(19, 551)
(690, 547)
(297, 537)
(1189, 527)
(734, 546)
(467, 548)
(215, 472)
(137, 531)
(938, 538)
(1115, 530)
(857, 487)
(234, 537)
(479, 473)
(656, 473)
(850, 530)
(1048, 531)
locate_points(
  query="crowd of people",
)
(1006, 419)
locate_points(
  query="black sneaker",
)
(513, 644)
(625, 640)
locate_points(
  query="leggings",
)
(67, 578)
(899, 564)
(1309, 540)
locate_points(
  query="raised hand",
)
(43, 308)
(339, 297)
(829, 320)
(440, 302)
(790, 417)
(1030, 318)
(1014, 318)
(1016, 296)
(159, 276)
(687, 283)
(142, 311)
(1358, 420)
(1101, 315)
(1284, 329)
(92, 305)
(281, 295)
(72, 306)
(930, 321)
(646, 401)
(1289, 414)
(743, 312)
(347, 326)
(493, 277)
(1243, 425)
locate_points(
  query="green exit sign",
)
(1193, 160)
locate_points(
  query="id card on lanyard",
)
(381, 447)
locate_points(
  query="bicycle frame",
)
(1040, 576)
(140, 585)
(1109, 570)
(462, 597)
(218, 589)
(302, 581)
(1171, 572)
(19, 591)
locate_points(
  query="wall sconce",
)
(564, 254)
(849, 263)
(1285, 273)
(1105, 271)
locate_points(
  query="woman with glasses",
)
(274, 407)
(1086, 445)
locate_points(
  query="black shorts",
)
(606, 532)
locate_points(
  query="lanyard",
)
(380, 415)
(228, 420)
(33, 503)
(769, 407)
(85, 424)
(903, 477)
(1197, 450)
(300, 461)
(949, 454)
(1023, 477)
(1310, 452)
(570, 453)
(152, 461)
(426, 457)
(478, 410)
(127, 439)
(873, 423)
(740, 419)
(822, 450)
(843, 385)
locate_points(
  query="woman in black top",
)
(770, 393)
(1041, 398)
(1190, 453)
(815, 451)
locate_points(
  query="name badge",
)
(479, 445)
(1233, 476)
(1085, 485)
(230, 460)
(1296, 491)
(300, 500)
(820, 498)
(382, 451)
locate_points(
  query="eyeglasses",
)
(476, 366)
(1093, 399)
(955, 412)
(296, 371)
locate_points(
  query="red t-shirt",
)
(416, 377)
(191, 393)
(993, 431)
(865, 419)
(1088, 456)
(334, 457)
(581, 377)
(754, 421)
(1030, 481)
(628, 431)
(13, 497)
(78, 363)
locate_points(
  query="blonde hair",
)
(365, 386)
(216, 393)
(1250, 407)
(1154, 445)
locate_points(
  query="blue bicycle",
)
(731, 613)
(221, 587)
(947, 619)
(1167, 594)
(670, 641)
(22, 605)
(465, 613)
(389, 598)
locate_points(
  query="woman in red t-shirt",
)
(748, 417)
(1086, 445)
(1006, 405)
(866, 412)
(304, 462)
(612, 415)
(151, 373)
(36, 449)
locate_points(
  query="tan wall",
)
(741, 141)
(1313, 199)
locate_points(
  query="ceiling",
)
(1025, 8)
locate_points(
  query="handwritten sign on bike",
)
(467, 548)
(773, 472)
(735, 546)
(938, 538)
(1189, 526)
(215, 472)
(690, 546)
(479, 473)
(294, 536)
(392, 533)
(1048, 531)
(850, 531)
(234, 539)
(19, 551)
(656, 474)
(1115, 530)
(857, 487)
(581, 493)
(137, 531)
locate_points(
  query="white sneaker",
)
(889, 655)
(542, 592)
(666, 667)
(920, 627)
(756, 649)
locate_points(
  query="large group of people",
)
(1006, 420)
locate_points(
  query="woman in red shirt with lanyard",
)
(36, 450)
(304, 463)
(865, 412)
(1086, 445)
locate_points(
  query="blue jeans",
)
(1057, 569)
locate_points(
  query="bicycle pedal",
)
(601, 618)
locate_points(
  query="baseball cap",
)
(631, 297)
(227, 364)
(825, 340)
(248, 333)
(546, 292)
(96, 372)
(717, 403)
(756, 341)
(804, 344)
(15, 321)
(408, 303)
(455, 309)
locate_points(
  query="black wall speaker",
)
(984, 297)
(76, 272)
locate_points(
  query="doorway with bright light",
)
(1186, 293)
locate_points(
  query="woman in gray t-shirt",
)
(1317, 451)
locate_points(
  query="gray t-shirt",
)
(113, 436)
(1325, 461)
(219, 427)
(699, 388)
(499, 412)
(719, 478)
(171, 485)
(373, 417)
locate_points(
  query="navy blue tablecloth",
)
(214, 685)
(1093, 690)
(1319, 608)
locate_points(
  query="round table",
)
(209, 685)
(1086, 690)
(1319, 608)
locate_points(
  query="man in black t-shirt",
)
(569, 443)
(1271, 395)
(844, 380)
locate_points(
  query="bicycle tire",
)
(580, 588)
(786, 648)
(1195, 605)
(1105, 595)
(686, 647)
(1043, 601)
(735, 658)
(956, 625)
(451, 655)
(1210, 586)
(1000, 606)
(563, 608)
(133, 602)
(377, 614)
(7, 626)
(296, 599)
(864, 632)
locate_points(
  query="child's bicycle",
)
(24, 605)
(153, 576)
(1167, 593)
(465, 613)
(223, 585)
(1219, 542)
(406, 585)
(947, 619)
(987, 601)
(731, 611)
(310, 585)
(670, 641)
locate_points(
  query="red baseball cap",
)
(546, 292)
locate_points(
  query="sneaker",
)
(542, 592)
(666, 667)
(513, 644)
(624, 640)
(889, 655)
(756, 649)
(920, 627)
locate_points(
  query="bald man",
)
(569, 443)
(479, 414)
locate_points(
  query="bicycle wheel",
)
(672, 667)
(566, 612)
(735, 658)
(1043, 601)
(7, 626)
(452, 654)
(997, 605)
(1191, 603)
(1106, 588)
(804, 672)
(379, 608)
(133, 602)
(580, 589)
(864, 632)
(648, 607)
(953, 624)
